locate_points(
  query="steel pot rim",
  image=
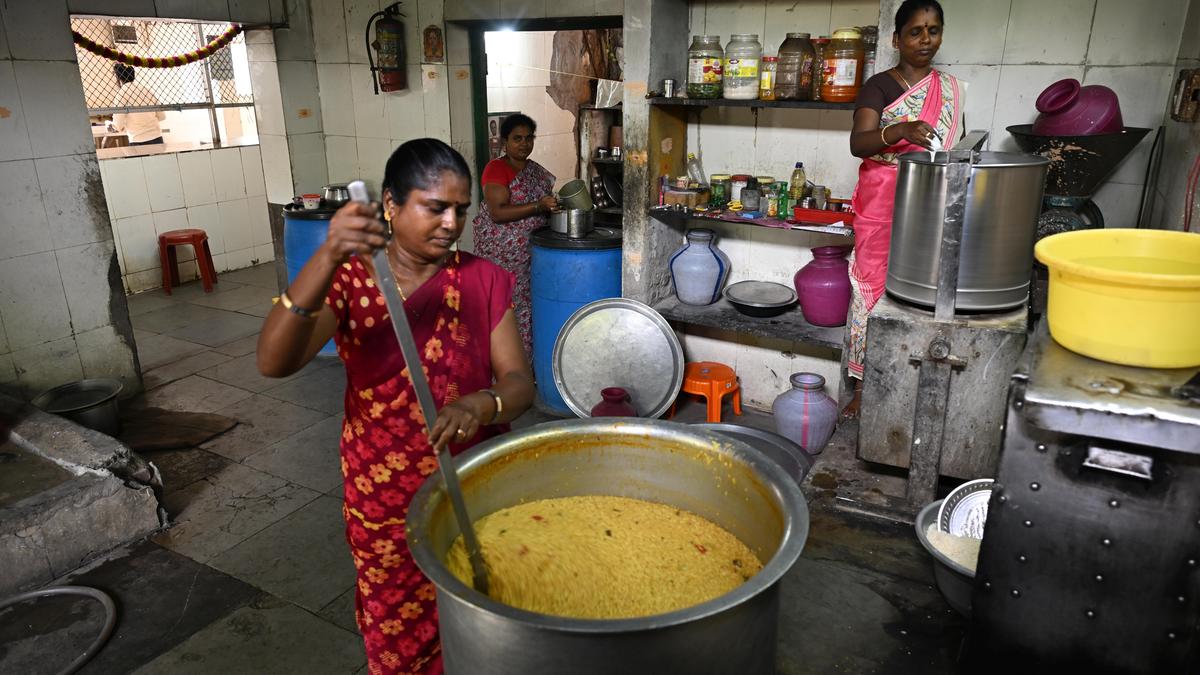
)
(774, 477)
(110, 387)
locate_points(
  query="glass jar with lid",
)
(793, 82)
(740, 78)
(705, 67)
(870, 40)
(843, 66)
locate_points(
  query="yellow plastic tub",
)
(1125, 296)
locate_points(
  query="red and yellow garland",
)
(158, 61)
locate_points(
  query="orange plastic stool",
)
(713, 381)
(198, 240)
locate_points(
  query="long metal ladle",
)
(416, 375)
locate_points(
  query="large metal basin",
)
(996, 254)
(720, 478)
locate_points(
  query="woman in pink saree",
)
(899, 110)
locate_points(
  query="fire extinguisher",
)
(389, 44)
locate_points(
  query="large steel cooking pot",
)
(720, 478)
(996, 254)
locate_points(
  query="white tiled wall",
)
(517, 77)
(219, 191)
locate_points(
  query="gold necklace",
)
(907, 86)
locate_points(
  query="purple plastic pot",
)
(1068, 109)
(805, 413)
(614, 403)
(823, 286)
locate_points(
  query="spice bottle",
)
(843, 66)
(796, 57)
(767, 78)
(818, 71)
(740, 76)
(705, 64)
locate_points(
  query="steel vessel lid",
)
(294, 212)
(618, 342)
(599, 238)
(986, 158)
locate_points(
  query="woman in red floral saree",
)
(460, 310)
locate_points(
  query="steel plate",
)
(618, 342)
(761, 294)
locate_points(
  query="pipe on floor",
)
(110, 616)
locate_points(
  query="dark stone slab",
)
(181, 468)
(220, 329)
(323, 390)
(162, 598)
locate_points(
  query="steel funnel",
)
(1078, 164)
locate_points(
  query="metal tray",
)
(618, 342)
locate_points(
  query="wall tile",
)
(370, 109)
(357, 14)
(337, 99)
(196, 172)
(227, 174)
(163, 182)
(976, 32)
(301, 103)
(260, 221)
(1018, 88)
(221, 262)
(982, 83)
(295, 43)
(329, 32)
(206, 217)
(125, 187)
(216, 10)
(55, 112)
(32, 301)
(853, 13)
(1143, 92)
(610, 7)
(459, 10)
(235, 225)
(277, 168)
(139, 245)
(48, 365)
(14, 136)
(175, 219)
(252, 171)
(263, 254)
(261, 36)
(1119, 203)
(239, 259)
(522, 9)
(249, 11)
(462, 114)
(1052, 33)
(373, 155)
(84, 270)
(268, 100)
(145, 280)
(725, 19)
(73, 195)
(309, 172)
(1154, 26)
(571, 8)
(104, 353)
(39, 31)
(341, 153)
(807, 16)
(23, 228)
(260, 52)
(458, 46)
(435, 97)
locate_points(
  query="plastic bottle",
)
(740, 77)
(843, 66)
(705, 67)
(870, 39)
(793, 82)
(695, 170)
(818, 73)
(796, 192)
(767, 76)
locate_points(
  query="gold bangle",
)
(294, 308)
(499, 404)
(883, 137)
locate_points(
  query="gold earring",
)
(387, 215)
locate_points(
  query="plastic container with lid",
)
(705, 67)
(818, 72)
(793, 82)
(870, 40)
(738, 182)
(767, 77)
(740, 77)
(843, 65)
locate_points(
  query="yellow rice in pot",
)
(598, 557)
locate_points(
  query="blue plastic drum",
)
(567, 273)
(303, 233)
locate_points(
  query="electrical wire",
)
(110, 617)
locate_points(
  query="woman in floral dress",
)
(460, 310)
(517, 194)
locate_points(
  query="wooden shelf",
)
(733, 103)
(787, 326)
(681, 219)
(607, 160)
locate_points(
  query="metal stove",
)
(1091, 553)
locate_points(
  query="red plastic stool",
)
(198, 240)
(713, 381)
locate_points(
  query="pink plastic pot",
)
(614, 403)
(1068, 109)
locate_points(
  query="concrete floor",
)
(255, 576)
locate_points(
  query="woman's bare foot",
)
(851, 410)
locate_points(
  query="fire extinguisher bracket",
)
(389, 73)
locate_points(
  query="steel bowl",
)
(336, 194)
(795, 460)
(953, 580)
(91, 403)
(722, 479)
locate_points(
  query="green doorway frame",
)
(478, 56)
